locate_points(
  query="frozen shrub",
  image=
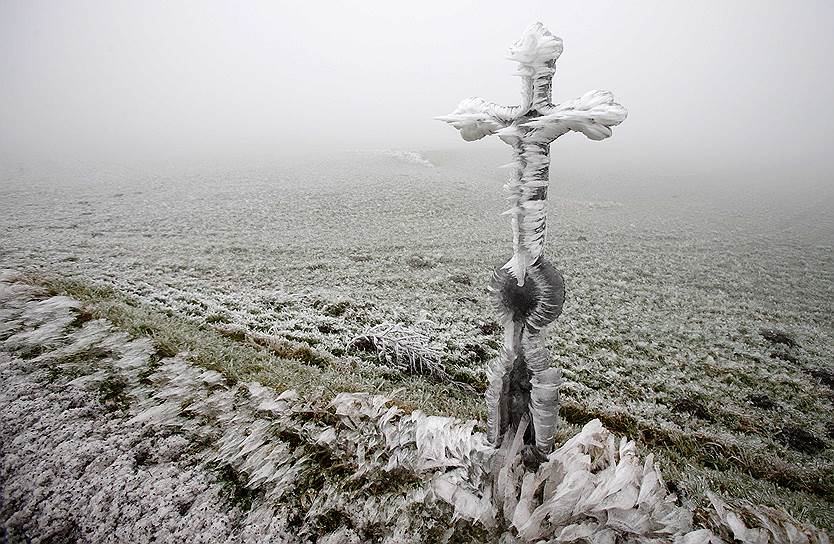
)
(404, 349)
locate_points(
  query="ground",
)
(672, 331)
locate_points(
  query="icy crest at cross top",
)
(529, 128)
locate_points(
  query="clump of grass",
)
(419, 261)
(824, 375)
(30, 351)
(785, 355)
(475, 354)
(761, 400)
(112, 394)
(800, 439)
(477, 380)
(236, 333)
(234, 485)
(461, 278)
(777, 336)
(693, 406)
(291, 350)
(77, 363)
(303, 339)
(489, 328)
(82, 316)
(326, 328)
(218, 318)
(145, 375)
(336, 309)
(164, 348)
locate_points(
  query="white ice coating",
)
(529, 128)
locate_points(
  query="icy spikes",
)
(523, 385)
(521, 382)
(537, 303)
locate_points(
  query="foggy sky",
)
(744, 84)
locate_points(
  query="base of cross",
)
(523, 388)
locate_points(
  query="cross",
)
(523, 391)
(529, 128)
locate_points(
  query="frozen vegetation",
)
(105, 439)
(701, 328)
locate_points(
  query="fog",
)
(743, 87)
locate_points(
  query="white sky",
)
(738, 83)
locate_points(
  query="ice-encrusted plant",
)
(529, 291)
(405, 349)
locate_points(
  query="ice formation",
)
(529, 291)
(529, 128)
(100, 442)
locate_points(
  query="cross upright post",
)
(529, 291)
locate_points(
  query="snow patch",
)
(410, 157)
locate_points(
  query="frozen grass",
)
(106, 438)
(660, 338)
(244, 358)
(693, 464)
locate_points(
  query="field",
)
(698, 320)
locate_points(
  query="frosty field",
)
(668, 293)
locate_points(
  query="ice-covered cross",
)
(529, 128)
(523, 392)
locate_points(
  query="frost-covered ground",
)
(667, 289)
(105, 439)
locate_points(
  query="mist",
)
(253, 289)
(740, 89)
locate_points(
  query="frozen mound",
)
(103, 440)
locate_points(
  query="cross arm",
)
(593, 114)
(476, 118)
